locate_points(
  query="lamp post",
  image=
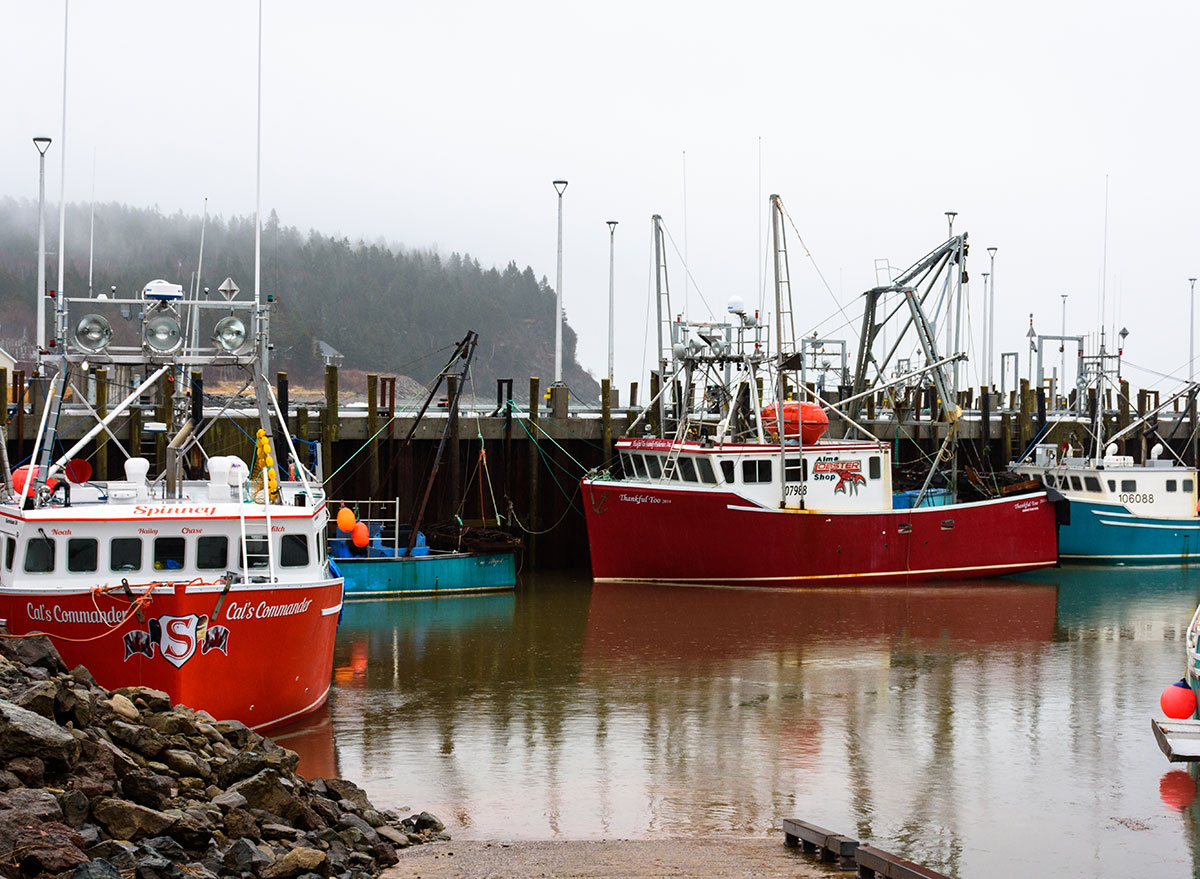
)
(991, 315)
(42, 144)
(1062, 349)
(1192, 333)
(560, 186)
(987, 355)
(1032, 336)
(612, 229)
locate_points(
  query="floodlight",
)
(230, 334)
(162, 334)
(93, 333)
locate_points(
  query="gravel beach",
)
(608, 859)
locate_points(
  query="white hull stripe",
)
(312, 706)
(1127, 523)
(330, 611)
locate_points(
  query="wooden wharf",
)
(848, 854)
(534, 453)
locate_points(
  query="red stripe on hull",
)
(278, 645)
(638, 532)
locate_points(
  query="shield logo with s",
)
(177, 641)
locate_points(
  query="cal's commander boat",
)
(202, 575)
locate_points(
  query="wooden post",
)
(655, 408)
(281, 393)
(535, 398)
(19, 399)
(372, 429)
(633, 389)
(606, 418)
(135, 430)
(1123, 417)
(101, 411)
(453, 450)
(302, 432)
(985, 425)
(165, 408)
(1023, 425)
(1006, 437)
(329, 421)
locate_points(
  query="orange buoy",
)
(25, 472)
(805, 420)
(345, 520)
(361, 535)
(1178, 701)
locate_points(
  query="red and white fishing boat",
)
(203, 576)
(720, 495)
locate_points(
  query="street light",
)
(987, 355)
(1192, 334)
(1032, 336)
(991, 316)
(42, 144)
(1062, 349)
(612, 229)
(560, 186)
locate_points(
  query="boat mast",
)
(663, 299)
(785, 347)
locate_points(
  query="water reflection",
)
(982, 728)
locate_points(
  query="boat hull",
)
(262, 655)
(1110, 534)
(428, 574)
(639, 532)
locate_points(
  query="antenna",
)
(687, 269)
(62, 150)
(258, 197)
(92, 225)
(1104, 261)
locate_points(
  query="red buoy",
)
(1178, 701)
(805, 420)
(361, 535)
(24, 472)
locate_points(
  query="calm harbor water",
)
(981, 729)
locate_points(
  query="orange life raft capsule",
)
(806, 420)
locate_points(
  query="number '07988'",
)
(1136, 498)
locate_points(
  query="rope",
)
(570, 509)
(143, 600)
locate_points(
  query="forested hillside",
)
(386, 309)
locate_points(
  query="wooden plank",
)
(1178, 739)
(874, 862)
(813, 839)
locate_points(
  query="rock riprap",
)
(97, 784)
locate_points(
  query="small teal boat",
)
(388, 567)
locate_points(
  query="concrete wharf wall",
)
(535, 483)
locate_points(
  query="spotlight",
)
(162, 334)
(93, 333)
(230, 334)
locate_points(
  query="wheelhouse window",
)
(1091, 483)
(1112, 485)
(687, 468)
(10, 551)
(1076, 484)
(706, 471)
(212, 553)
(626, 464)
(1128, 485)
(874, 467)
(1187, 485)
(39, 555)
(728, 471)
(168, 553)
(1171, 483)
(294, 551)
(654, 466)
(756, 471)
(255, 551)
(125, 554)
(81, 554)
(639, 466)
(793, 470)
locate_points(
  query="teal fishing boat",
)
(381, 557)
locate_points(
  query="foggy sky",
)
(443, 124)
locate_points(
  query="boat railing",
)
(1193, 633)
(382, 518)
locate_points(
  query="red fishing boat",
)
(206, 578)
(720, 494)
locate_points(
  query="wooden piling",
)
(1023, 422)
(281, 394)
(1123, 418)
(1006, 437)
(19, 399)
(633, 389)
(101, 411)
(655, 408)
(302, 432)
(372, 429)
(985, 425)
(135, 431)
(329, 420)
(606, 418)
(535, 396)
(163, 414)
